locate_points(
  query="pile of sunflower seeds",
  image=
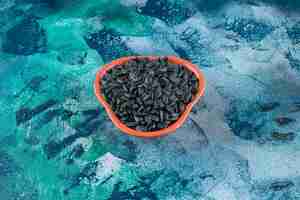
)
(149, 95)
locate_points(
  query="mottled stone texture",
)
(26, 38)
(240, 142)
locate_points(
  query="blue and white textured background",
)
(241, 142)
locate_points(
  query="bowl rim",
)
(149, 134)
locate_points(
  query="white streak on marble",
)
(108, 165)
(149, 46)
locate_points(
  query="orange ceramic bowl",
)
(148, 134)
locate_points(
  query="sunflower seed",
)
(149, 95)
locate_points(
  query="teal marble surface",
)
(241, 142)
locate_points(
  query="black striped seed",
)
(149, 95)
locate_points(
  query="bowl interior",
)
(119, 124)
